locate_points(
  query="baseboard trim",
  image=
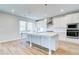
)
(3, 41)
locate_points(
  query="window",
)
(22, 26)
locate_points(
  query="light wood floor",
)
(17, 48)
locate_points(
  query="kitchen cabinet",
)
(60, 22)
(64, 20)
(44, 39)
(72, 18)
(36, 40)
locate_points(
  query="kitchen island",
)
(48, 40)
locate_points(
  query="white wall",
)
(9, 27)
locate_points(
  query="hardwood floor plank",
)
(17, 48)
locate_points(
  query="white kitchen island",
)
(48, 40)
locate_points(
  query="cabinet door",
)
(56, 22)
(44, 41)
(33, 39)
(72, 18)
(53, 42)
(36, 39)
(75, 18)
(60, 22)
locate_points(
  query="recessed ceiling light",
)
(61, 10)
(12, 10)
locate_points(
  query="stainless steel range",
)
(73, 30)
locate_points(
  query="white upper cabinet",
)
(73, 18)
(67, 19)
(60, 22)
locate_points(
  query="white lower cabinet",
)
(50, 41)
(44, 41)
(33, 39)
(36, 39)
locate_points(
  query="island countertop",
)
(48, 40)
(42, 33)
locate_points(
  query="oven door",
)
(73, 33)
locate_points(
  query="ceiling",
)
(38, 11)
